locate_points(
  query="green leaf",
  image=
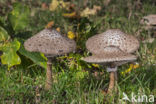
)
(3, 35)
(2, 20)
(37, 58)
(19, 17)
(10, 56)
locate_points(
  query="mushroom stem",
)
(116, 79)
(113, 81)
(48, 83)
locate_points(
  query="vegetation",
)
(75, 82)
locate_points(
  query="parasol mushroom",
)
(52, 44)
(112, 48)
(149, 21)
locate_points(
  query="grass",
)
(74, 82)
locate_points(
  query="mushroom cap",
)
(112, 37)
(116, 56)
(149, 20)
(50, 42)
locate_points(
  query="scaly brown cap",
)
(112, 37)
(50, 42)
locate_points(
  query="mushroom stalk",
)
(113, 81)
(113, 77)
(48, 75)
(116, 79)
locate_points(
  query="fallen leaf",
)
(58, 29)
(54, 4)
(50, 24)
(58, 3)
(70, 15)
(86, 12)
